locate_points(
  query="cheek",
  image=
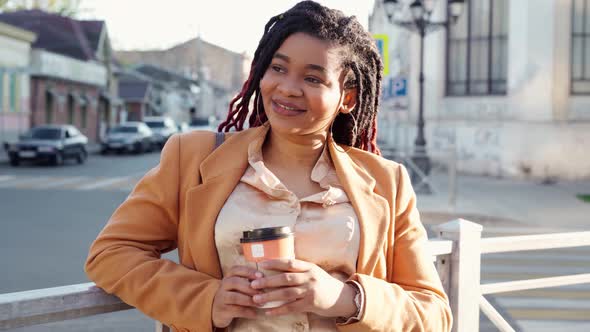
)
(266, 85)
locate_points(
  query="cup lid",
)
(266, 234)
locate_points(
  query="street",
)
(50, 215)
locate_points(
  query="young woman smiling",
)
(308, 160)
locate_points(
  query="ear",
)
(348, 101)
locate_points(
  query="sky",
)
(233, 24)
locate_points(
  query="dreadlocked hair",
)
(359, 57)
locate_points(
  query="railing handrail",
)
(534, 242)
(54, 304)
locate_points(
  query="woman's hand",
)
(306, 287)
(234, 298)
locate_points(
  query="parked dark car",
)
(54, 143)
(130, 137)
(163, 127)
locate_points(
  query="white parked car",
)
(129, 136)
(163, 128)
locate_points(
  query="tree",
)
(62, 7)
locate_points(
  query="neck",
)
(300, 152)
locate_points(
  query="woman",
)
(309, 161)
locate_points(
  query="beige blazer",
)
(176, 205)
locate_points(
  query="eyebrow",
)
(310, 66)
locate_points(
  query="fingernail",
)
(255, 283)
(257, 298)
(259, 274)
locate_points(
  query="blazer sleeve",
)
(412, 298)
(125, 257)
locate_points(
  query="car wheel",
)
(104, 151)
(58, 159)
(138, 147)
(14, 161)
(82, 155)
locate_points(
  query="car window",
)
(45, 133)
(199, 122)
(125, 129)
(155, 124)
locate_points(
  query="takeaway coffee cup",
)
(268, 243)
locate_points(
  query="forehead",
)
(303, 49)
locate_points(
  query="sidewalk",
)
(508, 202)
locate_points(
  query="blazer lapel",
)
(372, 210)
(220, 172)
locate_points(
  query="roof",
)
(161, 74)
(133, 90)
(93, 31)
(58, 34)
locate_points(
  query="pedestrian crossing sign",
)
(382, 42)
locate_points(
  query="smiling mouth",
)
(285, 110)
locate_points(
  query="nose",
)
(289, 87)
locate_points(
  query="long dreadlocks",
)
(359, 56)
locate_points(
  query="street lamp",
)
(421, 23)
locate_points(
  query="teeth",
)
(285, 107)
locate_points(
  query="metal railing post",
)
(464, 281)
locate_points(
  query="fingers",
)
(286, 265)
(237, 311)
(280, 280)
(287, 294)
(235, 298)
(245, 272)
(239, 284)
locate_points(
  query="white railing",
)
(457, 252)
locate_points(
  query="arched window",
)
(580, 47)
(477, 50)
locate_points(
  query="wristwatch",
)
(358, 302)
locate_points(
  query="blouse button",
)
(299, 327)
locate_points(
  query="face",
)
(303, 87)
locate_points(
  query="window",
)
(48, 107)
(84, 116)
(71, 109)
(580, 47)
(477, 50)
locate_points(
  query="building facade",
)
(219, 72)
(507, 87)
(72, 80)
(66, 91)
(15, 48)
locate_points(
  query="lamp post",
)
(420, 22)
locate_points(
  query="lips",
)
(286, 108)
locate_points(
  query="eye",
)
(277, 68)
(313, 80)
